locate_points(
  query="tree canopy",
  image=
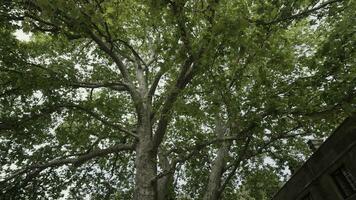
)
(168, 99)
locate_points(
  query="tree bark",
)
(146, 160)
(165, 184)
(146, 171)
(214, 184)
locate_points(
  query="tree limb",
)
(79, 160)
(300, 14)
(154, 85)
(112, 85)
(103, 46)
(101, 119)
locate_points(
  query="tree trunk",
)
(146, 171)
(213, 189)
(214, 184)
(165, 184)
(146, 161)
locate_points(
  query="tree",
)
(156, 99)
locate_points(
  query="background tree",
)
(168, 99)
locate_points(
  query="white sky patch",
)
(20, 35)
(269, 161)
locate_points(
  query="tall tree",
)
(167, 99)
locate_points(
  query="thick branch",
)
(103, 46)
(219, 163)
(134, 52)
(184, 78)
(74, 161)
(154, 85)
(187, 72)
(192, 151)
(236, 164)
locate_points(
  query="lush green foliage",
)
(274, 73)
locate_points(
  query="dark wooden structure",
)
(330, 173)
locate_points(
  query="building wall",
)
(315, 177)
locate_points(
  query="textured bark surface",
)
(145, 172)
(214, 184)
(146, 160)
(165, 190)
(212, 191)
